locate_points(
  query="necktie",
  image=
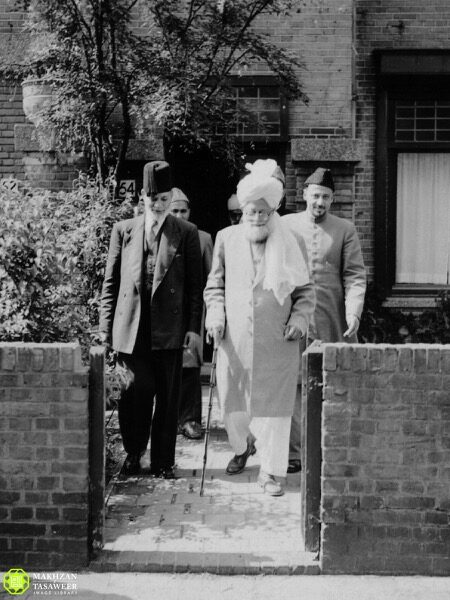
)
(152, 237)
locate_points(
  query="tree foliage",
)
(117, 66)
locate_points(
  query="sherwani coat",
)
(256, 368)
(337, 269)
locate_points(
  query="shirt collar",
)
(150, 218)
(313, 219)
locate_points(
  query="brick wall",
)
(44, 456)
(386, 459)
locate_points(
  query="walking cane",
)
(212, 385)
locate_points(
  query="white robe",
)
(256, 367)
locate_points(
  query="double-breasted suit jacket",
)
(176, 299)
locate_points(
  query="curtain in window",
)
(423, 218)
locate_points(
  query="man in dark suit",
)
(151, 307)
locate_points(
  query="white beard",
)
(256, 234)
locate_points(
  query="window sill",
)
(410, 302)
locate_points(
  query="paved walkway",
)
(160, 525)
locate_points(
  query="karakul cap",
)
(322, 177)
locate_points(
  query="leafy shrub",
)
(53, 250)
(383, 325)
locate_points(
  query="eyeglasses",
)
(264, 214)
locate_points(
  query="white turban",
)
(283, 268)
(260, 183)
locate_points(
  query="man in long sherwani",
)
(337, 269)
(259, 300)
(151, 307)
(190, 411)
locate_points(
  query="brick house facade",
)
(361, 60)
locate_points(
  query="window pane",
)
(405, 123)
(405, 112)
(423, 218)
(248, 92)
(268, 92)
(249, 104)
(268, 104)
(425, 112)
(425, 136)
(269, 128)
(248, 128)
(443, 136)
(269, 116)
(425, 123)
(405, 136)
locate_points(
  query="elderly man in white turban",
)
(259, 301)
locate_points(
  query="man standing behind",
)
(259, 300)
(151, 306)
(337, 269)
(234, 210)
(190, 412)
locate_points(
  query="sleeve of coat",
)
(207, 257)
(111, 282)
(303, 305)
(303, 298)
(194, 287)
(214, 294)
(353, 274)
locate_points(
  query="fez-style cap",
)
(157, 177)
(323, 177)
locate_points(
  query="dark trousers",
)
(191, 397)
(148, 406)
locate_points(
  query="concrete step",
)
(218, 563)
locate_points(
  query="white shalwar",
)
(272, 439)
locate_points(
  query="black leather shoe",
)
(132, 464)
(192, 430)
(238, 462)
(294, 465)
(163, 472)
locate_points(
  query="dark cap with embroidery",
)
(322, 177)
(157, 177)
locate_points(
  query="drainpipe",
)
(353, 97)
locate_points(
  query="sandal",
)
(270, 485)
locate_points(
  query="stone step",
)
(218, 563)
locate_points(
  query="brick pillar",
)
(44, 451)
(386, 459)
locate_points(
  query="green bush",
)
(53, 250)
(388, 326)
